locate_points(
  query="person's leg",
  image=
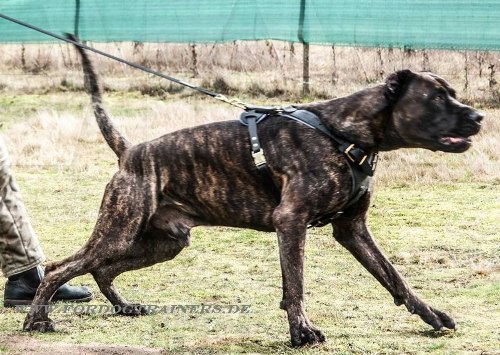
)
(20, 252)
(19, 247)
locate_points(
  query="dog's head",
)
(426, 114)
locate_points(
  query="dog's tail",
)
(113, 137)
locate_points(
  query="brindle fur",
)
(206, 176)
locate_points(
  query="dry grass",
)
(256, 70)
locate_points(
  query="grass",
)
(434, 214)
(452, 264)
(265, 70)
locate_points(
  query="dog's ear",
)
(396, 83)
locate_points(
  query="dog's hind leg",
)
(150, 250)
(37, 318)
(104, 278)
(354, 235)
(122, 220)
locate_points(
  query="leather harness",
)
(361, 163)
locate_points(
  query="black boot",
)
(20, 289)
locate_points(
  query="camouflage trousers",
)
(19, 246)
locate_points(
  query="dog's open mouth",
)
(454, 143)
(454, 140)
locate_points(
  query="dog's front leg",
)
(355, 237)
(291, 230)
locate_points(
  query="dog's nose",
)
(476, 116)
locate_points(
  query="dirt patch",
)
(27, 345)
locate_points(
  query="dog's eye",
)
(440, 97)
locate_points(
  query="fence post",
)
(305, 49)
(305, 70)
(77, 18)
(194, 61)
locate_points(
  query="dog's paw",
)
(444, 320)
(437, 319)
(305, 334)
(133, 310)
(33, 325)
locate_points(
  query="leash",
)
(232, 101)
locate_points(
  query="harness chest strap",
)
(362, 164)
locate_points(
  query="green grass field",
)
(435, 215)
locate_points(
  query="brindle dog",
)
(206, 176)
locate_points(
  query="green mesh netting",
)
(454, 24)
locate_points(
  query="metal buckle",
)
(374, 161)
(259, 158)
(353, 159)
(346, 152)
(324, 221)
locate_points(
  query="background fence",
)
(402, 34)
(451, 24)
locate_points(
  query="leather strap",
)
(251, 119)
(362, 164)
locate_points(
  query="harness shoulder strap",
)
(358, 158)
(251, 119)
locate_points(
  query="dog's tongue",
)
(452, 140)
